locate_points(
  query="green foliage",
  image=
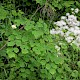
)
(29, 53)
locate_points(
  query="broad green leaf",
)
(60, 70)
(18, 42)
(48, 66)
(43, 62)
(78, 63)
(11, 55)
(24, 51)
(11, 37)
(20, 21)
(59, 60)
(43, 70)
(41, 2)
(58, 78)
(9, 49)
(38, 24)
(23, 74)
(16, 50)
(27, 71)
(49, 76)
(32, 43)
(68, 3)
(14, 13)
(22, 69)
(24, 39)
(29, 25)
(53, 65)
(74, 73)
(3, 13)
(67, 68)
(21, 63)
(37, 34)
(18, 36)
(11, 43)
(52, 71)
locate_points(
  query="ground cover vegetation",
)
(39, 40)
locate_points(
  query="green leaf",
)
(52, 71)
(21, 63)
(11, 37)
(68, 3)
(20, 21)
(24, 51)
(11, 43)
(48, 66)
(29, 25)
(53, 65)
(14, 13)
(58, 78)
(38, 24)
(24, 46)
(74, 73)
(78, 63)
(37, 34)
(9, 49)
(23, 74)
(3, 13)
(67, 68)
(22, 69)
(43, 62)
(18, 42)
(49, 76)
(60, 70)
(41, 2)
(24, 39)
(36, 50)
(16, 50)
(59, 60)
(18, 36)
(11, 55)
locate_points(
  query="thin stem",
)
(3, 46)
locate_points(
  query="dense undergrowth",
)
(27, 49)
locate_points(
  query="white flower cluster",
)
(74, 10)
(13, 26)
(68, 27)
(58, 50)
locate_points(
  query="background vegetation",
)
(28, 52)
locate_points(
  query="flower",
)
(14, 26)
(57, 47)
(60, 23)
(67, 14)
(63, 17)
(69, 39)
(52, 31)
(68, 27)
(72, 9)
(76, 10)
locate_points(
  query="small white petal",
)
(14, 26)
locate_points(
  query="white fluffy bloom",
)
(72, 17)
(57, 47)
(60, 23)
(76, 10)
(78, 39)
(63, 17)
(68, 27)
(52, 31)
(14, 26)
(67, 14)
(69, 39)
(72, 29)
(72, 9)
